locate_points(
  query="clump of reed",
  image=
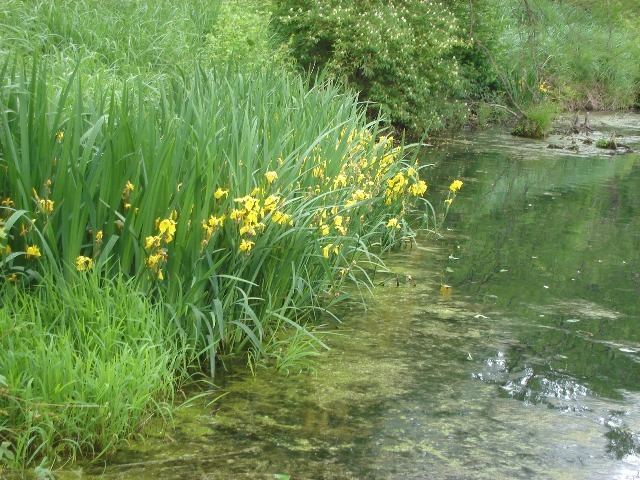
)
(84, 363)
(161, 207)
(237, 202)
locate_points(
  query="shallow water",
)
(509, 349)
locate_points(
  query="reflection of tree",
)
(552, 226)
(534, 236)
(622, 441)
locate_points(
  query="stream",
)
(508, 349)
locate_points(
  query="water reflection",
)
(553, 246)
(513, 352)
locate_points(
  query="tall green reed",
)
(154, 221)
(243, 198)
(125, 37)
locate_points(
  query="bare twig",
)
(497, 105)
(470, 19)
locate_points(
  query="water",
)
(509, 349)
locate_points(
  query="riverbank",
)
(217, 199)
(562, 140)
(508, 349)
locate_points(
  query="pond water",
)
(509, 349)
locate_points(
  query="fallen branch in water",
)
(497, 105)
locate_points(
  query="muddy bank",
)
(626, 125)
(596, 133)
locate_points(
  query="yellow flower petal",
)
(271, 176)
(455, 186)
(220, 193)
(83, 263)
(33, 251)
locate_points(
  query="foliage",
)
(555, 43)
(86, 362)
(208, 180)
(294, 353)
(482, 24)
(242, 32)
(398, 54)
(131, 37)
(420, 61)
(241, 202)
(155, 213)
(163, 37)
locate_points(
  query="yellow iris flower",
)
(33, 252)
(455, 186)
(83, 263)
(271, 176)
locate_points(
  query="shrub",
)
(397, 54)
(242, 32)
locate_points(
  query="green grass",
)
(124, 180)
(538, 120)
(121, 39)
(112, 169)
(84, 363)
(551, 44)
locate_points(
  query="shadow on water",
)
(525, 365)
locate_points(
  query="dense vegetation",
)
(426, 63)
(157, 215)
(172, 190)
(399, 54)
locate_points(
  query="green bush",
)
(242, 32)
(398, 54)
